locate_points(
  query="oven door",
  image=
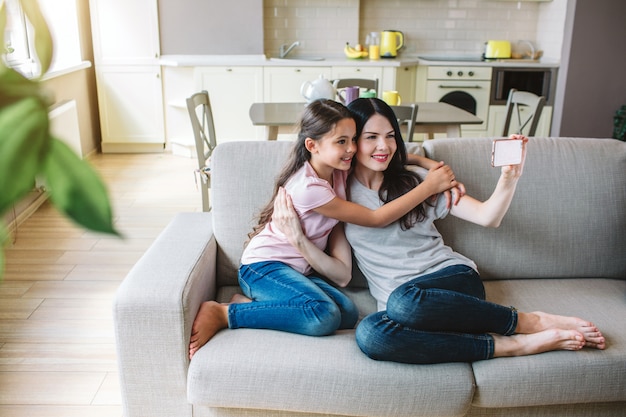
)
(472, 96)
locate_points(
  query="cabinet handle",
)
(477, 87)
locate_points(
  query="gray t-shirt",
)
(390, 256)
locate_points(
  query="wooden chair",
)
(365, 83)
(527, 107)
(406, 115)
(199, 107)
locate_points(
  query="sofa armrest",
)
(153, 311)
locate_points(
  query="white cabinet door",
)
(232, 90)
(131, 108)
(125, 32)
(283, 84)
(497, 115)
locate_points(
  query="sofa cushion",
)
(574, 229)
(320, 374)
(560, 377)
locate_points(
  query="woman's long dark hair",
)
(397, 180)
(319, 118)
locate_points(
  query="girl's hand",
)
(440, 178)
(286, 218)
(515, 171)
(454, 194)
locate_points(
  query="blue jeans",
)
(435, 318)
(284, 299)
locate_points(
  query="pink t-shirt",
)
(307, 192)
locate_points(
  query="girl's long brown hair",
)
(319, 118)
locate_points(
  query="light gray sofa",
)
(561, 248)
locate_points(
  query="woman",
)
(431, 300)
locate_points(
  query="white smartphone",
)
(506, 152)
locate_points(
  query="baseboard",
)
(25, 212)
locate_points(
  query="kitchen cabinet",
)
(403, 80)
(131, 108)
(497, 115)
(128, 76)
(282, 84)
(232, 90)
(178, 84)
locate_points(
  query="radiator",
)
(64, 124)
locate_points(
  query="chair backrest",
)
(199, 108)
(366, 83)
(406, 115)
(526, 107)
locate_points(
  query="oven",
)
(539, 81)
(465, 87)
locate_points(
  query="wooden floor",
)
(57, 350)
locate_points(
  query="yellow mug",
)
(392, 98)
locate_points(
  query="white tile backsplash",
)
(429, 26)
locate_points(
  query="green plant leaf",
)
(23, 144)
(76, 189)
(14, 87)
(43, 39)
(3, 22)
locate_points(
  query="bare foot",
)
(538, 321)
(211, 318)
(239, 299)
(544, 341)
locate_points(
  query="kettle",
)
(319, 88)
(390, 43)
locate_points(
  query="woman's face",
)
(377, 144)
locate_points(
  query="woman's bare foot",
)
(544, 341)
(538, 321)
(211, 318)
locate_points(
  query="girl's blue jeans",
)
(284, 299)
(439, 317)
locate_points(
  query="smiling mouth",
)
(380, 158)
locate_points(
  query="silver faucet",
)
(284, 52)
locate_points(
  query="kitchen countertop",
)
(338, 61)
(262, 60)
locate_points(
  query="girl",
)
(279, 275)
(431, 299)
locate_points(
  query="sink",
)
(298, 58)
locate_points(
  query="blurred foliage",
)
(28, 150)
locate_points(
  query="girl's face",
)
(377, 144)
(335, 149)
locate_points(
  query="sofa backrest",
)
(242, 182)
(567, 219)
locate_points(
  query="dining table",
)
(432, 118)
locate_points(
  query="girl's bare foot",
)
(239, 299)
(544, 341)
(538, 321)
(211, 318)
